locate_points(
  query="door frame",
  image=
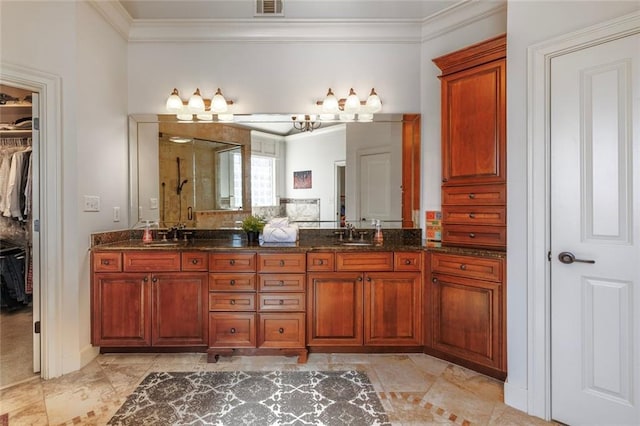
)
(50, 192)
(539, 197)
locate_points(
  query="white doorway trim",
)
(50, 271)
(538, 197)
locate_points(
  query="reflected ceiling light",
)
(179, 139)
(203, 109)
(305, 122)
(351, 107)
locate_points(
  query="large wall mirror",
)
(211, 175)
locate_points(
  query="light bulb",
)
(352, 104)
(174, 103)
(218, 103)
(196, 103)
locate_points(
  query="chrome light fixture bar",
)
(202, 108)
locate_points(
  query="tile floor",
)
(415, 389)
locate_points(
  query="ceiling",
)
(293, 9)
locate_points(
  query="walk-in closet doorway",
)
(19, 243)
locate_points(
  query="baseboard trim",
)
(88, 354)
(516, 397)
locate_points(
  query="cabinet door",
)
(468, 319)
(392, 314)
(474, 125)
(180, 309)
(334, 309)
(121, 310)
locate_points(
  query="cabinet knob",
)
(232, 262)
(232, 331)
(369, 279)
(281, 262)
(232, 301)
(434, 280)
(232, 282)
(154, 279)
(472, 215)
(194, 261)
(407, 262)
(281, 302)
(472, 235)
(280, 283)
(463, 267)
(321, 262)
(145, 279)
(281, 330)
(105, 261)
(472, 196)
(359, 278)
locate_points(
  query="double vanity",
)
(218, 294)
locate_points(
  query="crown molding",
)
(276, 30)
(115, 14)
(458, 16)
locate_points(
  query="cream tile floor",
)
(415, 389)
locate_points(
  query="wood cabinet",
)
(138, 302)
(466, 307)
(257, 304)
(473, 102)
(365, 302)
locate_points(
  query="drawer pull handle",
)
(233, 302)
(232, 282)
(407, 262)
(232, 262)
(472, 235)
(281, 262)
(281, 302)
(472, 215)
(321, 262)
(233, 330)
(280, 283)
(472, 196)
(281, 330)
(194, 261)
(105, 261)
(463, 267)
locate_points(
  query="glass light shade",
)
(205, 117)
(174, 103)
(225, 117)
(184, 117)
(347, 117)
(365, 117)
(373, 102)
(352, 104)
(196, 103)
(218, 103)
(330, 103)
(327, 117)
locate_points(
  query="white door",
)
(595, 216)
(35, 231)
(375, 186)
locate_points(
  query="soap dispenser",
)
(147, 236)
(377, 236)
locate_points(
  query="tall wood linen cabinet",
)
(466, 289)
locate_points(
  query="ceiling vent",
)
(269, 8)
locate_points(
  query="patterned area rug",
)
(253, 398)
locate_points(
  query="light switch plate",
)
(91, 203)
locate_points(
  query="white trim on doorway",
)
(538, 197)
(50, 265)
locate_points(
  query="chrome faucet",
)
(351, 230)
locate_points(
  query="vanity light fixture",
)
(203, 109)
(305, 122)
(351, 106)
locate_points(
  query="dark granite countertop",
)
(468, 251)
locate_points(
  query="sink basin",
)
(356, 243)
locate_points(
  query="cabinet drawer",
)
(474, 215)
(151, 261)
(364, 261)
(232, 330)
(281, 302)
(282, 330)
(407, 261)
(472, 195)
(321, 262)
(107, 262)
(227, 262)
(282, 262)
(484, 268)
(232, 282)
(281, 282)
(232, 302)
(477, 236)
(194, 261)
